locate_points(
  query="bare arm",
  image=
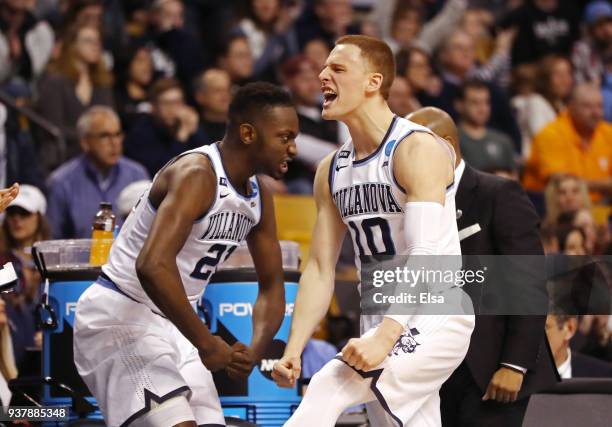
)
(269, 308)
(156, 264)
(317, 281)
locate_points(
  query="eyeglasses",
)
(106, 136)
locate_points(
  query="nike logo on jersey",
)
(223, 195)
(340, 167)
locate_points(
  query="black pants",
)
(462, 405)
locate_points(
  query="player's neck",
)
(368, 126)
(234, 163)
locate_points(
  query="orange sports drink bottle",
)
(102, 235)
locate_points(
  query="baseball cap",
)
(597, 10)
(31, 199)
(129, 196)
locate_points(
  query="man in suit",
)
(509, 357)
(560, 329)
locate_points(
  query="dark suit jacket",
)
(509, 226)
(587, 366)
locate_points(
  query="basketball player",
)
(138, 343)
(399, 363)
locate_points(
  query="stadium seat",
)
(295, 219)
(581, 402)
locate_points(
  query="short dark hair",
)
(161, 86)
(253, 98)
(562, 319)
(225, 47)
(473, 84)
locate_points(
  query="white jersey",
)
(211, 241)
(371, 201)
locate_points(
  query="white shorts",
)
(133, 359)
(403, 390)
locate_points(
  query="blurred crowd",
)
(97, 95)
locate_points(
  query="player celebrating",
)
(399, 363)
(138, 342)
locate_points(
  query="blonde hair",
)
(65, 63)
(551, 194)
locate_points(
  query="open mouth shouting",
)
(329, 96)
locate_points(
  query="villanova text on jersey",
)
(367, 198)
(228, 225)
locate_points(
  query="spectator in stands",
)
(415, 65)
(576, 142)
(571, 240)
(136, 16)
(133, 83)
(401, 100)
(406, 24)
(571, 364)
(482, 148)
(544, 26)
(237, 59)
(78, 79)
(169, 130)
(25, 43)
(479, 22)
(98, 175)
(594, 336)
(433, 32)
(24, 225)
(8, 369)
(565, 193)
(84, 12)
(16, 163)
(532, 110)
(583, 219)
(176, 52)
(212, 92)
(317, 50)
(555, 81)
(266, 24)
(327, 20)
(317, 137)
(588, 53)
(457, 59)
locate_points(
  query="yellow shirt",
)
(558, 149)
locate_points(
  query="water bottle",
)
(102, 234)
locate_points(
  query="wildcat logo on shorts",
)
(406, 342)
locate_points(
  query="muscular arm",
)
(317, 281)
(269, 308)
(423, 167)
(156, 264)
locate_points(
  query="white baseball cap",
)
(31, 199)
(129, 196)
